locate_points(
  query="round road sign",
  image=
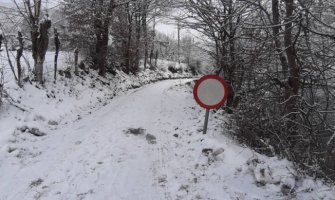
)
(210, 91)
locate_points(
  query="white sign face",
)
(211, 92)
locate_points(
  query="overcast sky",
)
(5, 1)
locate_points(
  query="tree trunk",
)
(294, 75)
(102, 56)
(57, 43)
(138, 38)
(178, 59)
(128, 50)
(276, 32)
(153, 41)
(18, 59)
(97, 53)
(101, 25)
(40, 48)
(156, 58)
(34, 47)
(145, 33)
(39, 70)
(230, 68)
(151, 57)
(76, 53)
(1, 39)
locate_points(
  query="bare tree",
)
(219, 21)
(31, 12)
(103, 11)
(96, 16)
(5, 41)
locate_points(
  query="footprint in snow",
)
(151, 139)
(135, 131)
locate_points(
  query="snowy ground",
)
(145, 144)
(88, 137)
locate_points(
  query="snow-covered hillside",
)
(144, 144)
(41, 106)
(89, 137)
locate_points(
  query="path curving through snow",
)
(96, 157)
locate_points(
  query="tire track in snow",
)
(159, 165)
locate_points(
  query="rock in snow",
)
(36, 132)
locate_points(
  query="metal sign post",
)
(210, 92)
(206, 121)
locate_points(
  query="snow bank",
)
(46, 106)
(225, 169)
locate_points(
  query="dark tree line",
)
(109, 34)
(116, 34)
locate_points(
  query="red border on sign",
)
(206, 77)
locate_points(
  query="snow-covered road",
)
(98, 157)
